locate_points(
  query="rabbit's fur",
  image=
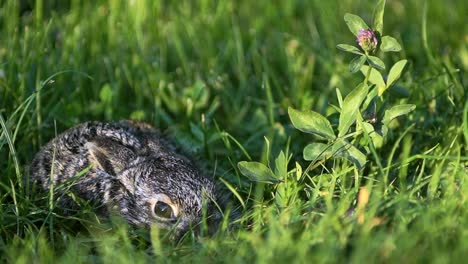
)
(127, 167)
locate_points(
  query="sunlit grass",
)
(218, 77)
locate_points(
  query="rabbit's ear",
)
(109, 156)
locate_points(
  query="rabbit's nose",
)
(192, 227)
(180, 229)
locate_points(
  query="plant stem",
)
(369, 70)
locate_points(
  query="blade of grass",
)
(7, 135)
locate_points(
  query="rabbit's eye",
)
(163, 210)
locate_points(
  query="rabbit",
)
(129, 168)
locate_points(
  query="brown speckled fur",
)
(132, 164)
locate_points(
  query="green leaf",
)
(355, 156)
(351, 105)
(349, 48)
(339, 97)
(389, 44)
(355, 23)
(317, 151)
(395, 72)
(281, 165)
(345, 150)
(281, 196)
(311, 122)
(357, 63)
(375, 77)
(377, 20)
(377, 139)
(298, 171)
(257, 172)
(396, 111)
(371, 94)
(376, 62)
(267, 149)
(383, 130)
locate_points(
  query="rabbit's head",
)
(163, 189)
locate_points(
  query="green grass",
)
(218, 77)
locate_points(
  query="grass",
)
(219, 76)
